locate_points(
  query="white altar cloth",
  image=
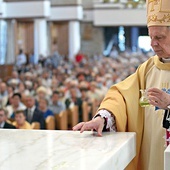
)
(65, 150)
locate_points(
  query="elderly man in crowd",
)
(33, 114)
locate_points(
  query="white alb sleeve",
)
(110, 119)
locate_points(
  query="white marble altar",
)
(167, 158)
(65, 150)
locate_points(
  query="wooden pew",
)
(35, 125)
(94, 107)
(61, 120)
(73, 117)
(6, 72)
(50, 123)
(85, 109)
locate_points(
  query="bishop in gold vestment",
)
(146, 122)
(122, 99)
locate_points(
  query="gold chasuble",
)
(122, 100)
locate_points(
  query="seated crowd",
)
(35, 92)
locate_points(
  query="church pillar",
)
(74, 39)
(134, 38)
(3, 41)
(8, 40)
(40, 39)
(127, 37)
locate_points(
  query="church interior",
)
(58, 59)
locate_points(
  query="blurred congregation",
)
(59, 96)
(55, 68)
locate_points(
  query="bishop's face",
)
(160, 40)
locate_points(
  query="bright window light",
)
(144, 43)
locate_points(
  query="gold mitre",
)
(158, 13)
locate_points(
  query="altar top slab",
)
(65, 150)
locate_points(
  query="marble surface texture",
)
(65, 150)
(167, 158)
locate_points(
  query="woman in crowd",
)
(43, 106)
